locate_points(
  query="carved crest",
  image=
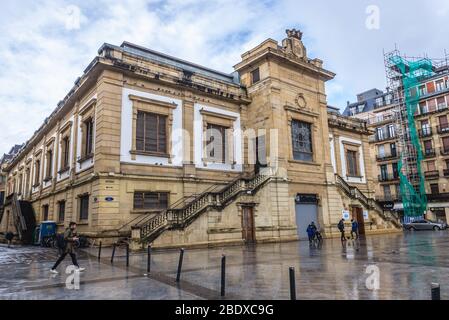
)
(301, 101)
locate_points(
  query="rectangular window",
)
(423, 107)
(441, 103)
(428, 146)
(391, 131)
(89, 137)
(443, 123)
(216, 143)
(387, 192)
(151, 132)
(381, 151)
(440, 85)
(384, 172)
(394, 167)
(84, 207)
(45, 212)
(48, 172)
(37, 172)
(434, 189)
(151, 200)
(255, 76)
(65, 153)
(422, 90)
(393, 149)
(432, 105)
(446, 144)
(61, 211)
(351, 159)
(302, 140)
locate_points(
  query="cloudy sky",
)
(45, 45)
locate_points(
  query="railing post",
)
(292, 283)
(223, 275)
(99, 251)
(127, 254)
(113, 253)
(149, 259)
(181, 257)
(435, 291)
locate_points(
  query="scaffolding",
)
(403, 77)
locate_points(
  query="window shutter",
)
(162, 134)
(150, 132)
(140, 131)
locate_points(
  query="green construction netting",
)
(414, 199)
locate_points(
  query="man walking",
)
(69, 237)
(354, 229)
(341, 227)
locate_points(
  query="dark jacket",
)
(341, 226)
(311, 230)
(68, 238)
(355, 226)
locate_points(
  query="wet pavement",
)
(407, 263)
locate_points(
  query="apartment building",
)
(431, 119)
(157, 149)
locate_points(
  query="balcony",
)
(386, 157)
(429, 153)
(438, 197)
(444, 152)
(443, 129)
(432, 174)
(377, 138)
(425, 132)
(388, 177)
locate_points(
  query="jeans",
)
(343, 235)
(62, 257)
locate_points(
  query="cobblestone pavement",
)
(408, 263)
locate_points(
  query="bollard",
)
(113, 253)
(435, 291)
(99, 251)
(292, 284)
(223, 275)
(149, 260)
(181, 257)
(127, 255)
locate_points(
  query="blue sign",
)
(109, 199)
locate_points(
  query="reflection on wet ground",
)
(408, 263)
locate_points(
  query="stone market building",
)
(165, 151)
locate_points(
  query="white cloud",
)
(45, 45)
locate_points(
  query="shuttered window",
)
(89, 138)
(351, 158)
(84, 207)
(151, 200)
(151, 132)
(65, 152)
(446, 144)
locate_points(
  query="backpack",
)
(60, 241)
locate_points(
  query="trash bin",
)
(47, 230)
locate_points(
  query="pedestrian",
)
(341, 227)
(70, 237)
(9, 236)
(354, 229)
(311, 232)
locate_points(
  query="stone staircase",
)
(147, 230)
(368, 203)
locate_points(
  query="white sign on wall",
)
(365, 215)
(345, 214)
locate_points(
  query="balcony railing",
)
(429, 153)
(443, 129)
(444, 152)
(432, 174)
(446, 172)
(438, 197)
(425, 132)
(385, 157)
(377, 138)
(388, 177)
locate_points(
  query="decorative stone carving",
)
(293, 45)
(301, 101)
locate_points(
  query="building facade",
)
(161, 150)
(431, 119)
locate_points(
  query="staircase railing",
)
(180, 218)
(369, 203)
